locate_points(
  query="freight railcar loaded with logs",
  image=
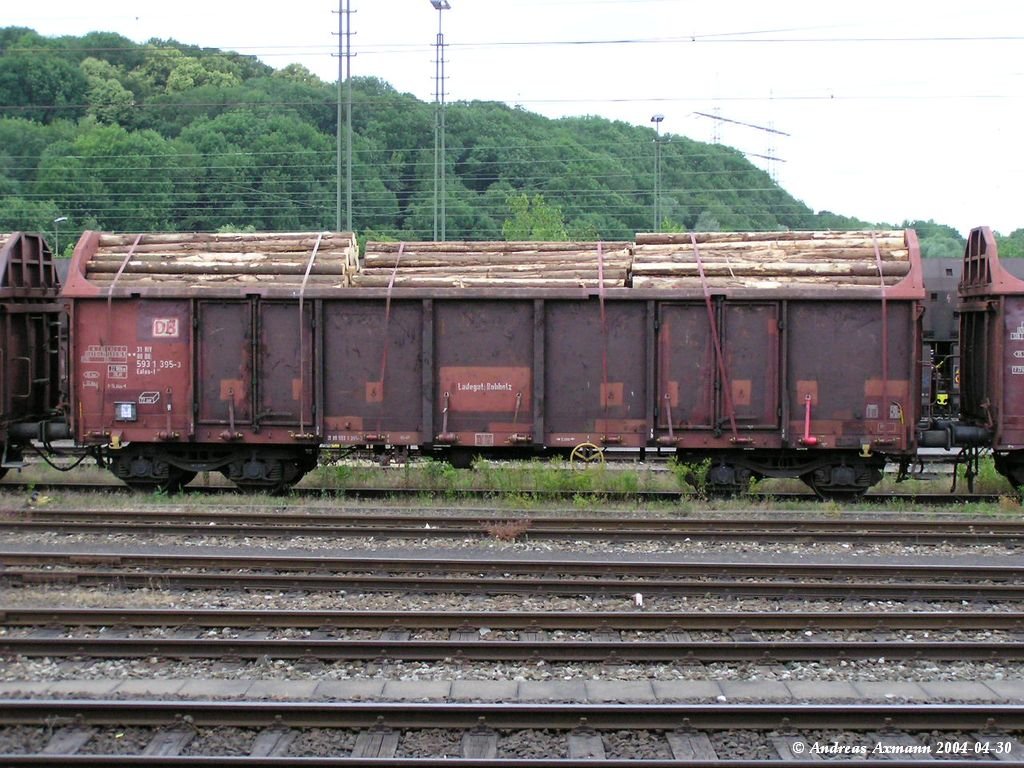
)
(782, 354)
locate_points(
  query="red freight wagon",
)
(30, 315)
(778, 354)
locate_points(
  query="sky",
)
(887, 111)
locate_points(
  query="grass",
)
(522, 485)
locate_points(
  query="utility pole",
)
(344, 85)
(56, 234)
(770, 129)
(439, 149)
(656, 119)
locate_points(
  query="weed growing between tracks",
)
(507, 530)
(525, 485)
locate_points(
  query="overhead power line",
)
(740, 122)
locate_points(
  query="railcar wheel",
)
(149, 472)
(844, 481)
(725, 480)
(259, 474)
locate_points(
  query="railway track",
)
(617, 651)
(462, 621)
(480, 732)
(397, 492)
(898, 581)
(668, 637)
(450, 523)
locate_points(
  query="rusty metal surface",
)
(372, 371)
(136, 352)
(27, 267)
(224, 349)
(992, 343)
(835, 358)
(595, 375)
(30, 372)
(483, 355)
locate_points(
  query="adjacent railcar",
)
(991, 307)
(772, 354)
(30, 328)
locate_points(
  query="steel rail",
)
(361, 714)
(1009, 571)
(641, 621)
(556, 518)
(599, 651)
(110, 761)
(495, 585)
(103, 761)
(900, 581)
(277, 523)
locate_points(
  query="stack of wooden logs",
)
(279, 259)
(494, 264)
(769, 260)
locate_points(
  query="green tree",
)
(274, 172)
(1011, 246)
(127, 181)
(39, 87)
(533, 219)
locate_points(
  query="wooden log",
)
(492, 246)
(222, 248)
(617, 275)
(225, 260)
(648, 238)
(511, 268)
(422, 281)
(149, 238)
(236, 256)
(770, 268)
(419, 259)
(524, 270)
(216, 269)
(831, 254)
(851, 250)
(763, 283)
(185, 281)
(497, 264)
(768, 258)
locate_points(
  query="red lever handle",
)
(808, 439)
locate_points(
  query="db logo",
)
(165, 328)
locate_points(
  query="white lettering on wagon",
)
(484, 386)
(105, 353)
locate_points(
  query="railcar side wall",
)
(485, 373)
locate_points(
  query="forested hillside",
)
(119, 136)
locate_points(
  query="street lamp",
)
(439, 182)
(56, 234)
(656, 119)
